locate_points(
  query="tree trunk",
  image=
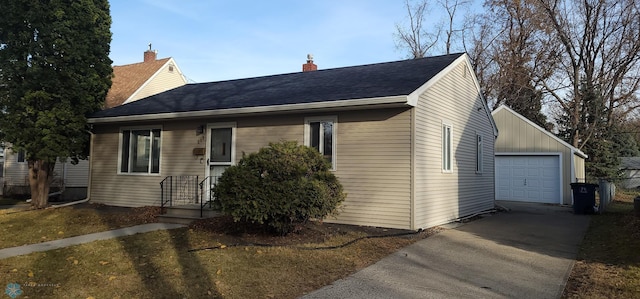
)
(40, 177)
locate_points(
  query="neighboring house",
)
(532, 164)
(411, 141)
(16, 176)
(130, 82)
(631, 175)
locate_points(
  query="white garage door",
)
(528, 178)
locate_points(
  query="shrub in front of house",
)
(280, 186)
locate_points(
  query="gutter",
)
(370, 103)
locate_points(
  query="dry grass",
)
(164, 264)
(35, 226)
(608, 263)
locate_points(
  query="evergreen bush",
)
(281, 186)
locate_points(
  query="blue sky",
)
(225, 39)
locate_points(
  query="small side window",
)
(21, 156)
(479, 153)
(447, 136)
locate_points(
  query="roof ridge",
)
(137, 63)
(332, 69)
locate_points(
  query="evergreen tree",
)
(54, 70)
(601, 144)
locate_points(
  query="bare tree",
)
(455, 28)
(599, 56)
(416, 38)
(519, 52)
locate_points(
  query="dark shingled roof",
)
(357, 82)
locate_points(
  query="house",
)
(135, 81)
(631, 176)
(130, 83)
(532, 164)
(411, 141)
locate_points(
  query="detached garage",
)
(532, 164)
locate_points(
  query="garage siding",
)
(519, 136)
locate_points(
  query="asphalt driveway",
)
(527, 252)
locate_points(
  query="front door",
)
(220, 150)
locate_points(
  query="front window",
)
(320, 133)
(140, 151)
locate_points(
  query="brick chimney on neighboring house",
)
(150, 55)
(309, 66)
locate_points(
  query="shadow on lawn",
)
(161, 264)
(153, 263)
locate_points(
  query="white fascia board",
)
(554, 137)
(464, 59)
(398, 101)
(415, 95)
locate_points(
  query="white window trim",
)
(149, 173)
(334, 137)
(449, 145)
(226, 125)
(479, 153)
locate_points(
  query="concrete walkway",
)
(527, 252)
(26, 249)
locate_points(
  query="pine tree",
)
(54, 70)
(600, 145)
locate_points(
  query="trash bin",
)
(584, 197)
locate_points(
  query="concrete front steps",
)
(185, 214)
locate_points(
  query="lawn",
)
(34, 226)
(206, 260)
(608, 264)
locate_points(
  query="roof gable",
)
(390, 82)
(534, 125)
(127, 79)
(630, 162)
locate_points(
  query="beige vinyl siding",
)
(178, 139)
(254, 133)
(441, 197)
(373, 160)
(518, 136)
(374, 166)
(580, 170)
(163, 80)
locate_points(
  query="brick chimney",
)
(150, 55)
(309, 66)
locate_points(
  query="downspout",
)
(88, 182)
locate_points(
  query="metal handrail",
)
(206, 200)
(183, 187)
(164, 200)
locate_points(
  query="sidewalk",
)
(527, 252)
(27, 249)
